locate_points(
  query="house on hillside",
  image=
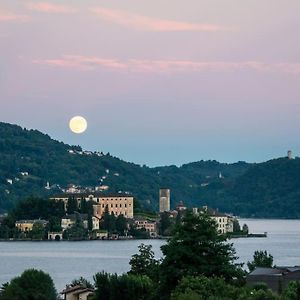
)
(180, 206)
(275, 278)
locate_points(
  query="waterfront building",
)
(164, 200)
(117, 204)
(67, 222)
(55, 236)
(27, 225)
(96, 223)
(223, 221)
(70, 220)
(148, 225)
(100, 234)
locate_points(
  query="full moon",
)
(78, 124)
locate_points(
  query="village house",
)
(275, 278)
(70, 220)
(27, 225)
(224, 221)
(148, 225)
(77, 292)
(181, 207)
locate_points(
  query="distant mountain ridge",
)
(269, 189)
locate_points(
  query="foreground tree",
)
(32, 284)
(165, 224)
(38, 231)
(292, 291)
(196, 249)
(260, 259)
(125, 287)
(82, 282)
(199, 288)
(121, 225)
(144, 263)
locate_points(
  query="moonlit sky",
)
(161, 81)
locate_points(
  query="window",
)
(116, 205)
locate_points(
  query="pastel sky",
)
(161, 81)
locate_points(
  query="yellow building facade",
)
(27, 225)
(118, 204)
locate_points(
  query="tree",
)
(260, 259)
(203, 288)
(54, 224)
(144, 263)
(236, 226)
(125, 287)
(245, 229)
(72, 206)
(38, 231)
(195, 249)
(4, 232)
(106, 218)
(200, 287)
(109, 221)
(76, 233)
(165, 224)
(292, 291)
(121, 224)
(82, 282)
(32, 284)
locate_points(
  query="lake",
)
(65, 261)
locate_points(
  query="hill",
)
(29, 159)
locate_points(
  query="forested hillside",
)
(29, 159)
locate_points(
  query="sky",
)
(160, 82)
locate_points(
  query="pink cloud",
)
(50, 8)
(6, 16)
(85, 63)
(141, 22)
(89, 63)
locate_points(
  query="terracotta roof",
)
(70, 289)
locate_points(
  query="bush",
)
(292, 291)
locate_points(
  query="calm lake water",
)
(65, 261)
